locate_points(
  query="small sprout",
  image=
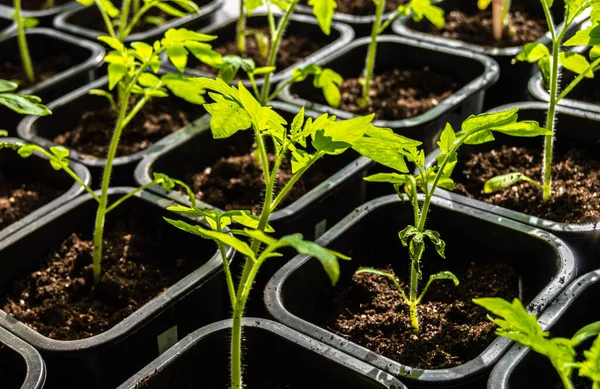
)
(22, 25)
(515, 323)
(395, 151)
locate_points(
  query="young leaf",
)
(576, 63)
(183, 87)
(533, 52)
(585, 333)
(497, 183)
(24, 104)
(329, 81)
(416, 247)
(424, 8)
(228, 117)
(407, 233)
(323, 11)
(387, 275)
(590, 367)
(447, 139)
(7, 86)
(439, 244)
(382, 145)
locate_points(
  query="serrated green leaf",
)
(178, 57)
(447, 139)
(589, 36)
(184, 88)
(590, 367)
(116, 72)
(228, 117)
(525, 128)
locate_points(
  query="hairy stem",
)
(274, 50)
(123, 21)
(371, 54)
(550, 119)
(22, 39)
(106, 19)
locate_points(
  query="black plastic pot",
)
(575, 129)
(7, 25)
(107, 359)
(362, 24)
(476, 71)
(44, 42)
(340, 36)
(75, 19)
(37, 168)
(300, 292)
(45, 16)
(24, 365)
(310, 215)
(273, 354)
(574, 99)
(523, 368)
(512, 85)
(67, 112)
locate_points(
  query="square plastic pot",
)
(340, 36)
(74, 21)
(295, 296)
(109, 358)
(37, 168)
(67, 111)
(44, 42)
(273, 354)
(575, 129)
(475, 71)
(522, 368)
(512, 84)
(310, 215)
(22, 366)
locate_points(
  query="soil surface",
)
(400, 93)
(158, 118)
(19, 197)
(575, 183)
(59, 299)
(453, 330)
(44, 68)
(237, 182)
(362, 7)
(477, 27)
(293, 48)
(35, 5)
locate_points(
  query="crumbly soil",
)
(453, 330)
(399, 93)
(59, 300)
(237, 182)
(476, 27)
(11, 68)
(35, 5)
(19, 197)
(158, 118)
(293, 48)
(575, 183)
(362, 7)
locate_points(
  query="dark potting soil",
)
(158, 118)
(58, 299)
(477, 27)
(11, 68)
(362, 7)
(293, 48)
(20, 195)
(35, 5)
(369, 310)
(237, 182)
(400, 93)
(575, 183)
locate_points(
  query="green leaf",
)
(576, 63)
(444, 275)
(116, 72)
(533, 52)
(224, 238)
(594, 53)
(60, 161)
(165, 182)
(425, 8)
(488, 120)
(587, 37)
(170, 10)
(382, 145)
(3, 133)
(416, 247)
(323, 11)
(182, 35)
(497, 183)
(184, 88)
(110, 8)
(329, 81)
(30, 22)
(261, 237)
(113, 43)
(24, 104)
(251, 5)
(407, 233)
(7, 86)
(178, 56)
(525, 128)
(447, 139)
(228, 117)
(246, 219)
(590, 368)
(296, 127)
(438, 243)
(26, 151)
(148, 80)
(392, 178)
(328, 258)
